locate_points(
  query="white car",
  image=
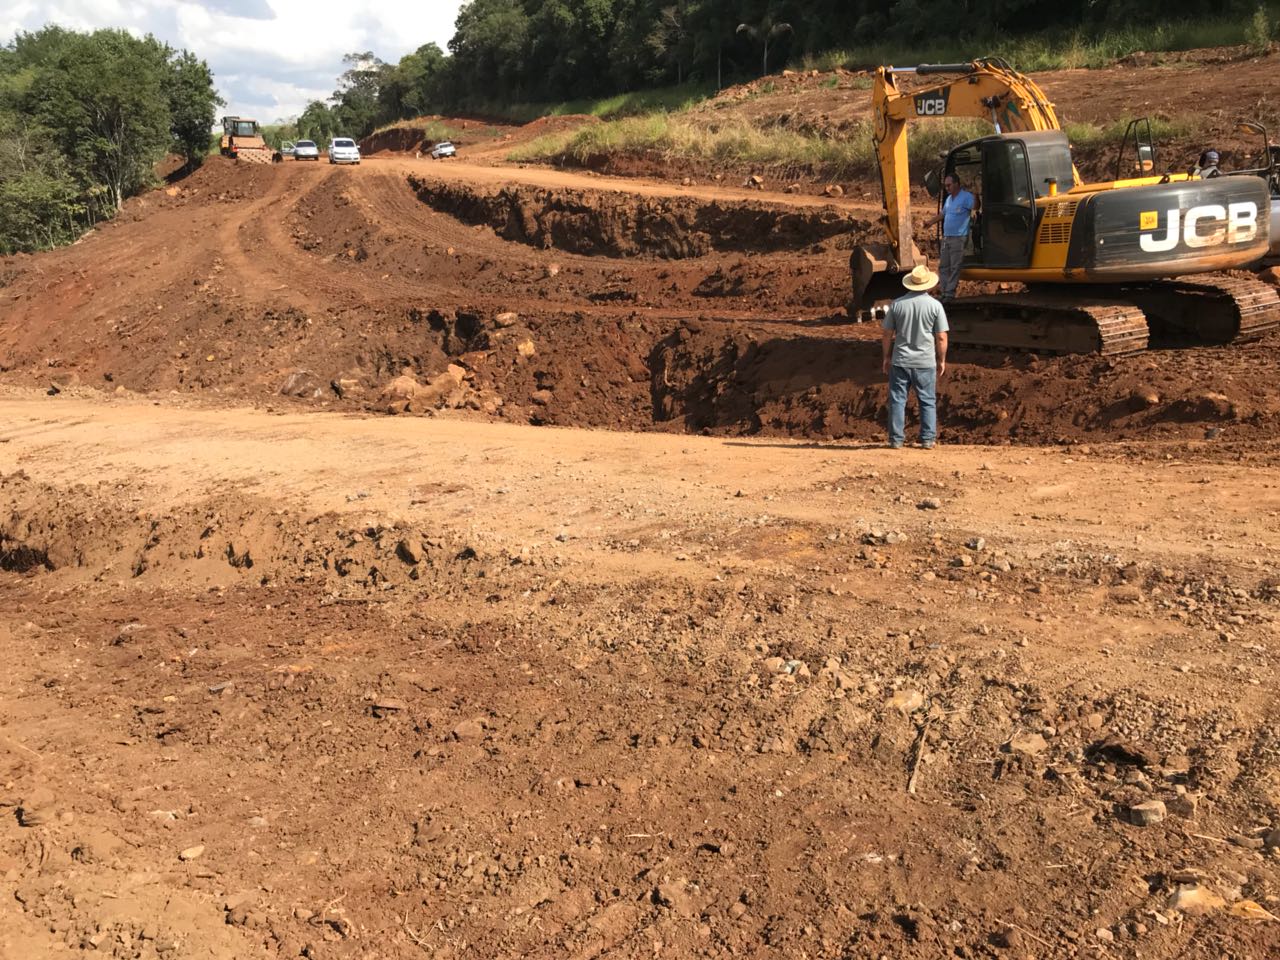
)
(306, 150)
(443, 149)
(343, 150)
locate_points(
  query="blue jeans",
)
(925, 382)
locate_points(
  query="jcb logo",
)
(932, 103)
(1207, 226)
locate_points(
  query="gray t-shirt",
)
(914, 320)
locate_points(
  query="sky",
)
(269, 57)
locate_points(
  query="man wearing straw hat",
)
(915, 355)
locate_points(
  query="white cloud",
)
(269, 57)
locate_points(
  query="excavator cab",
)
(1008, 173)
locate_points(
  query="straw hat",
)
(921, 278)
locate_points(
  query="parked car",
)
(343, 150)
(443, 149)
(306, 150)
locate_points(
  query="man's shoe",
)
(895, 446)
(927, 446)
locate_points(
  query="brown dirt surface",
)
(624, 637)
(340, 687)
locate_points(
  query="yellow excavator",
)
(1104, 264)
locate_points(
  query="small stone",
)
(469, 730)
(1272, 839)
(37, 808)
(674, 895)
(833, 190)
(526, 349)
(907, 701)
(1104, 934)
(964, 560)
(303, 914)
(1148, 813)
(775, 665)
(1184, 806)
(737, 910)
(191, 853)
(976, 543)
(507, 318)
(410, 550)
(1195, 901)
(388, 705)
(929, 503)
(1028, 744)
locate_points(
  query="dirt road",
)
(290, 682)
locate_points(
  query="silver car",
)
(443, 149)
(343, 150)
(306, 150)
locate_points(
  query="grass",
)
(667, 99)
(738, 144)
(1094, 135)
(435, 130)
(1081, 48)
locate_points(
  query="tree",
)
(193, 104)
(317, 122)
(765, 31)
(355, 102)
(84, 118)
(413, 85)
(104, 99)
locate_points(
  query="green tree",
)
(317, 122)
(193, 105)
(103, 98)
(414, 85)
(355, 103)
(765, 31)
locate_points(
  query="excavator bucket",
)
(875, 276)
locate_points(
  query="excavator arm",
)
(988, 89)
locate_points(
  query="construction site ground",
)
(453, 559)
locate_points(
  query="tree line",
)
(84, 119)
(521, 51)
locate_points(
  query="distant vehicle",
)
(286, 149)
(242, 140)
(443, 149)
(306, 150)
(343, 150)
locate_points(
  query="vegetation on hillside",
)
(84, 119)
(517, 59)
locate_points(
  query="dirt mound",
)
(618, 225)
(713, 377)
(399, 139)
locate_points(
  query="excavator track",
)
(1052, 322)
(1216, 309)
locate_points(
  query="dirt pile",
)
(616, 225)
(713, 377)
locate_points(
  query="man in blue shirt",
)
(915, 355)
(957, 213)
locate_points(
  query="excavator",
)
(242, 140)
(1104, 265)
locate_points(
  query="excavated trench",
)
(625, 225)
